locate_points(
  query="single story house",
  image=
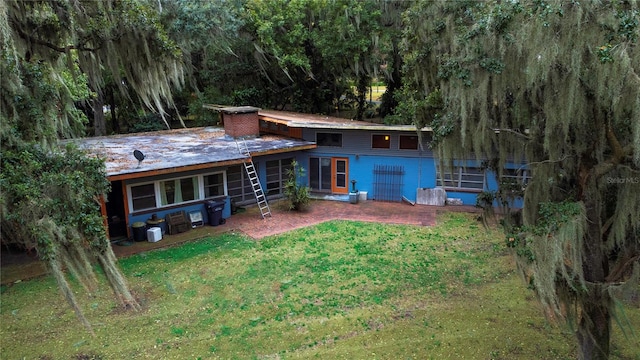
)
(182, 170)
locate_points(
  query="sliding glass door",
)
(329, 174)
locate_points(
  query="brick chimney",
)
(241, 121)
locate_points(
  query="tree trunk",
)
(594, 327)
(115, 125)
(361, 90)
(394, 82)
(99, 122)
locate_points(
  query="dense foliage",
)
(312, 56)
(55, 56)
(50, 203)
(556, 84)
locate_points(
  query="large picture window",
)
(462, 178)
(170, 192)
(178, 191)
(320, 174)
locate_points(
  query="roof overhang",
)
(174, 170)
(311, 121)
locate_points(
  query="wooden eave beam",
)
(174, 170)
(279, 151)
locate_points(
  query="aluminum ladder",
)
(253, 178)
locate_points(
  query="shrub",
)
(296, 194)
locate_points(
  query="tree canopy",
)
(556, 84)
(96, 38)
(54, 54)
(306, 56)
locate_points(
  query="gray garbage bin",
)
(214, 212)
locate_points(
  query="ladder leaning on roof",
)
(253, 178)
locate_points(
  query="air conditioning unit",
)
(196, 219)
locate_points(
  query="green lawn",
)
(338, 290)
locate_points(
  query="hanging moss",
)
(556, 84)
(51, 54)
(49, 203)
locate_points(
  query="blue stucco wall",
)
(419, 171)
(419, 165)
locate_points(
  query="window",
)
(518, 176)
(380, 142)
(143, 197)
(468, 178)
(329, 139)
(176, 191)
(408, 142)
(238, 185)
(277, 175)
(213, 185)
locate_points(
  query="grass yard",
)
(338, 290)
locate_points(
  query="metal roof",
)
(311, 121)
(178, 150)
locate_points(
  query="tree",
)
(391, 21)
(221, 71)
(554, 83)
(52, 53)
(350, 38)
(282, 36)
(312, 52)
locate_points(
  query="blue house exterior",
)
(186, 170)
(389, 163)
(404, 169)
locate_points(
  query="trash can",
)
(214, 211)
(139, 231)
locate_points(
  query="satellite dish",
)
(139, 155)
